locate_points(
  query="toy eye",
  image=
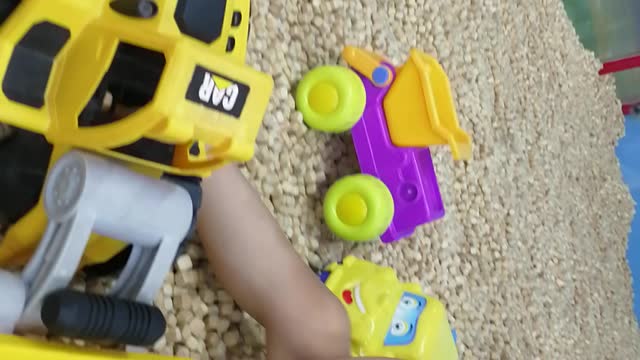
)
(399, 328)
(408, 303)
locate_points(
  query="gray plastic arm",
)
(11, 301)
(86, 194)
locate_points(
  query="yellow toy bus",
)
(389, 318)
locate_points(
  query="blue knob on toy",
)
(380, 75)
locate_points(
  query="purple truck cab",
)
(408, 173)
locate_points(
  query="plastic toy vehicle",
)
(13, 347)
(119, 108)
(394, 116)
(180, 100)
(389, 318)
(85, 193)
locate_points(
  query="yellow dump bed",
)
(420, 110)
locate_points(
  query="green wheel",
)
(358, 208)
(331, 98)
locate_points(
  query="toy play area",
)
(473, 149)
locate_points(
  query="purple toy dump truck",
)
(394, 116)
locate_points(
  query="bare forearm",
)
(255, 262)
(236, 234)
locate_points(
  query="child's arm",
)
(255, 262)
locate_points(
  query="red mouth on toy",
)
(347, 296)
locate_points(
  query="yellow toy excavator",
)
(159, 85)
(13, 347)
(118, 108)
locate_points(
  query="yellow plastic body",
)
(14, 347)
(95, 31)
(420, 110)
(375, 301)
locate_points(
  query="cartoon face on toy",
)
(405, 320)
(389, 318)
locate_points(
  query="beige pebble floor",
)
(530, 257)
